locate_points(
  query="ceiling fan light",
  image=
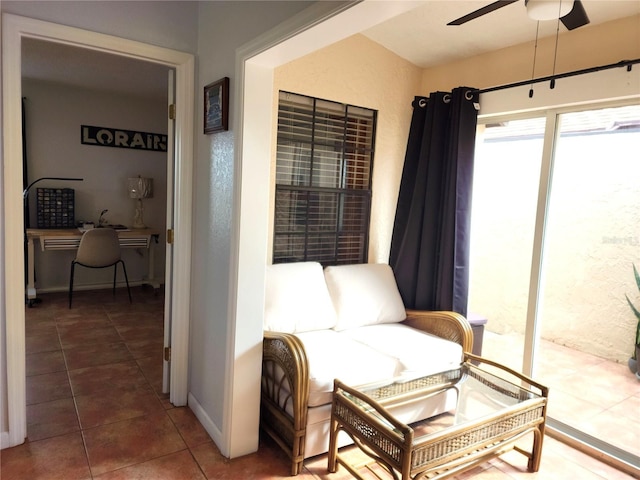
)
(548, 9)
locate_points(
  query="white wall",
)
(225, 350)
(54, 149)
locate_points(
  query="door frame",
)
(14, 28)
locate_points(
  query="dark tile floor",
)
(95, 408)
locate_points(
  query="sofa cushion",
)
(418, 353)
(332, 355)
(297, 298)
(364, 294)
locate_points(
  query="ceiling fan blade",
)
(482, 11)
(577, 17)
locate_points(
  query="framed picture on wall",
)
(216, 106)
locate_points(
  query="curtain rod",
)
(552, 78)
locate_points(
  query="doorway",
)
(15, 29)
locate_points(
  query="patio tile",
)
(572, 455)
(629, 408)
(621, 431)
(587, 392)
(571, 409)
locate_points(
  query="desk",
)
(69, 239)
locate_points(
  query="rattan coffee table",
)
(490, 415)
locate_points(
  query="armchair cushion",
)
(418, 353)
(364, 294)
(297, 299)
(332, 354)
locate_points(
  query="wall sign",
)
(113, 137)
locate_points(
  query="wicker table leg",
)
(536, 451)
(333, 446)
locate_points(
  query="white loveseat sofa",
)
(346, 322)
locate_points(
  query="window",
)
(323, 181)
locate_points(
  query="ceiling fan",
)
(570, 12)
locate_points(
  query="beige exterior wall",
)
(360, 72)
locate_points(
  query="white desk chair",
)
(99, 248)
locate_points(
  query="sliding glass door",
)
(592, 241)
(505, 190)
(555, 232)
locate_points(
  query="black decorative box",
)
(56, 208)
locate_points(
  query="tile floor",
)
(95, 411)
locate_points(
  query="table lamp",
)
(140, 188)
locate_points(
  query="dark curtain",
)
(430, 242)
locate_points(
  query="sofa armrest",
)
(448, 325)
(285, 394)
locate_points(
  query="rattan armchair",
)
(285, 378)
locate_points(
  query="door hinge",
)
(170, 236)
(172, 111)
(167, 354)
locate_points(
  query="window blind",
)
(323, 180)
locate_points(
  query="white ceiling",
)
(420, 35)
(423, 37)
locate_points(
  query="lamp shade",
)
(140, 187)
(548, 9)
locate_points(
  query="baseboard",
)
(97, 286)
(211, 428)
